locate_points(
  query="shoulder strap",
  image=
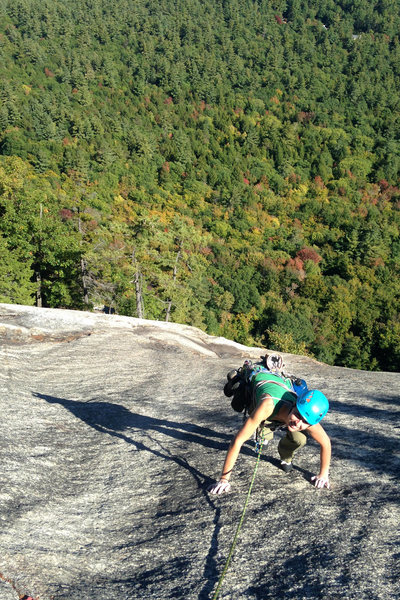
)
(281, 384)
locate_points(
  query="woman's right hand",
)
(219, 487)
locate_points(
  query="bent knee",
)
(296, 438)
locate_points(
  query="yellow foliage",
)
(322, 194)
(236, 243)
(225, 300)
(271, 121)
(284, 342)
(300, 193)
(164, 217)
(222, 229)
(234, 131)
(217, 212)
(274, 221)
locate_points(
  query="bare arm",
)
(261, 413)
(319, 434)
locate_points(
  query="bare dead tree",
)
(38, 274)
(138, 286)
(174, 275)
(83, 264)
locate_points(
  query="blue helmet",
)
(312, 405)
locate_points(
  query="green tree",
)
(16, 285)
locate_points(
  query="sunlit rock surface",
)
(112, 427)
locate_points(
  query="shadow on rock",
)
(377, 452)
(115, 420)
(380, 412)
(290, 582)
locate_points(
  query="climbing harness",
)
(233, 545)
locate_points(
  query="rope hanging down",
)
(233, 545)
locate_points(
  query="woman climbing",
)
(273, 404)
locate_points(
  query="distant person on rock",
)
(275, 401)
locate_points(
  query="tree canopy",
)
(230, 165)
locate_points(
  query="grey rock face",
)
(112, 428)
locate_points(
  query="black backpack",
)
(239, 388)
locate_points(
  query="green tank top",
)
(279, 388)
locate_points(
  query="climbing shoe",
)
(232, 385)
(285, 466)
(231, 374)
(239, 400)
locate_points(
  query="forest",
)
(228, 164)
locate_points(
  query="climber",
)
(275, 405)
